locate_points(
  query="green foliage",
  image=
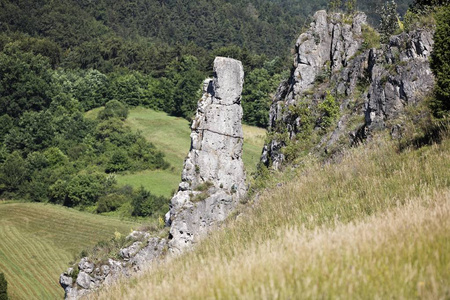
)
(187, 78)
(350, 6)
(145, 204)
(110, 202)
(334, 5)
(371, 38)
(3, 287)
(329, 109)
(204, 186)
(113, 109)
(80, 190)
(35, 131)
(419, 19)
(440, 62)
(25, 81)
(388, 20)
(91, 89)
(119, 161)
(420, 5)
(13, 172)
(6, 123)
(257, 94)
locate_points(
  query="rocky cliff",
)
(213, 182)
(213, 178)
(371, 87)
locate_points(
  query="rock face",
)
(213, 178)
(88, 276)
(371, 86)
(213, 181)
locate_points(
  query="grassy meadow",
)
(37, 241)
(374, 226)
(172, 136)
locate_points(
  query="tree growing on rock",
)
(388, 20)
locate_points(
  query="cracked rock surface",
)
(213, 178)
(373, 87)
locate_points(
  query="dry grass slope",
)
(37, 241)
(377, 225)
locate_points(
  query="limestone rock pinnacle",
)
(213, 178)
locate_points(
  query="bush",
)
(118, 162)
(13, 172)
(81, 189)
(145, 204)
(113, 109)
(388, 20)
(3, 287)
(329, 110)
(110, 202)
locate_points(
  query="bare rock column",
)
(213, 178)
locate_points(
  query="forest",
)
(61, 59)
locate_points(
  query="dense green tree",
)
(80, 190)
(35, 131)
(3, 287)
(6, 123)
(13, 172)
(145, 204)
(187, 79)
(126, 89)
(119, 161)
(256, 96)
(25, 82)
(440, 62)
(113, 109)
(110, 202)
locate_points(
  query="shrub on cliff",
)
(388, 20)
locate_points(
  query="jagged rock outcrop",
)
(372, 86)
(213, 182)
(213, 178)
(400, 75)
(88, 275)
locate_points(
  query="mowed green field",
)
(37, 241)
(172, 136)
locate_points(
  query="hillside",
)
(121, 30)
(374, 225)
(352, 197)
(38, 241)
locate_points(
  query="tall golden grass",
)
(374, 226)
